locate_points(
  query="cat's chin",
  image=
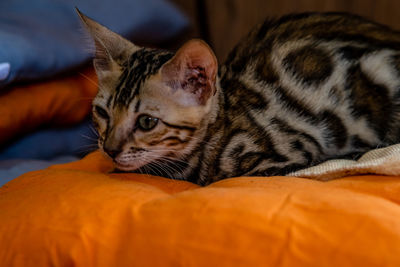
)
(125, 167)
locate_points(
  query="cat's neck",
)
(217, 110)
(214, 129)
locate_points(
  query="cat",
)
(296, 91)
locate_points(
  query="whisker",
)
(140, 168)
(171, 161)
(178, 160)
(89, 138)
(160, 167)
(89, 79)
(145, 169)
(145, 165)
(94, 130)
(171, 168)
(150, 165)
(171, 172)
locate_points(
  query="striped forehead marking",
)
(136, 70)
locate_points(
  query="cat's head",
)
(152, 104)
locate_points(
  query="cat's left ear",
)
(193, 71)
(111, 48)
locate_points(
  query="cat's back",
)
(333, 77)
(296, 30)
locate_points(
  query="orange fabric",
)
(79, 215)
(58, 102)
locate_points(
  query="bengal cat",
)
(295, 91)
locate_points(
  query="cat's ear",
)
(193, 69)
(111, 48)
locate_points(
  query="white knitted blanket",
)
(383, 161)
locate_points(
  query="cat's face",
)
(151, 104)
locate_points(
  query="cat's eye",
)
(101, 112)
(146, 122)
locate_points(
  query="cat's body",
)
(295, 92)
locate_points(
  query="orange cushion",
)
(78, 214)
(58, 102)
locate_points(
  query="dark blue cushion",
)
(51, 143)
(10, 169)
(39, 38)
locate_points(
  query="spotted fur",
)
(296, 91)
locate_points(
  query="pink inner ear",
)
(198, 54)
(194, 69)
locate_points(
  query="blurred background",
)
(47, 82)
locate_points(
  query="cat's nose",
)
(113, 153)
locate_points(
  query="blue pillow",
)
(51, 143)
(11, 169)
(39, 38)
